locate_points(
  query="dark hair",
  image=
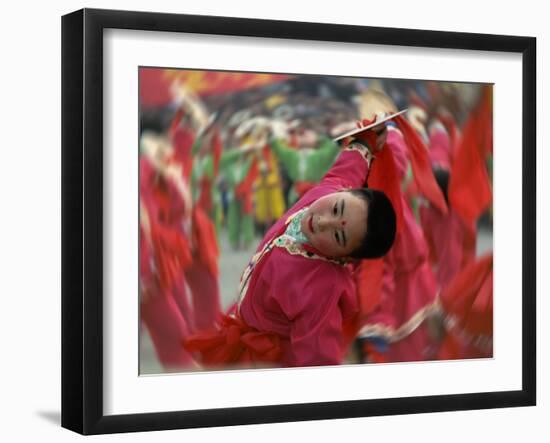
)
(155, 120)
(442, 179)
(381, 224)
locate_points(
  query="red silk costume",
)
(295, 303)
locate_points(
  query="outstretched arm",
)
(351, 168)
(287, 156)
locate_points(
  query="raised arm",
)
(230, 156)
(351, 168)
(324, 156)
(287, 156)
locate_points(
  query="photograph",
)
(270, 221)
(298, 220)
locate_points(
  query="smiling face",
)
(336, 224)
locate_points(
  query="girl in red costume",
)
(297, 293)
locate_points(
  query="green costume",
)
(305, 165)
(235, 167)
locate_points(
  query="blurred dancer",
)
(164, 252)
(269, 202)
(460, 161)
(202, 275)
(307, 164)
(240, 168)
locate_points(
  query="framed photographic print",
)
(270, 221)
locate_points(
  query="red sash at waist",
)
(235, 343)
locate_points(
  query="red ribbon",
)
(243, 191)
(421, 165)
(469, 186)
(171, 253)
(235, 343)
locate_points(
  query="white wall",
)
(30, 220)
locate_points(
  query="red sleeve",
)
(350, 168)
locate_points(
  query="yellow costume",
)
(269, 201)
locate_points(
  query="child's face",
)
(336, 224)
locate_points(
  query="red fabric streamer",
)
(171, 254)
(469, 185)
(383, 174)
(469, 297)
(204, 236)
(421, 165)
(368, 278)
(182, 140)
(468, 311)
(176, 120)
(450, 126)
(169, 208)
(205, 199)
(243, 191)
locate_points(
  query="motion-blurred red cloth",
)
(171, 253)
(468, 310)
(421, 165)
(204, 237)
(469, 185)
(383, 173)
(243, 191)
(182, 138)
(155, 83)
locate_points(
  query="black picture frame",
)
(82, 220)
